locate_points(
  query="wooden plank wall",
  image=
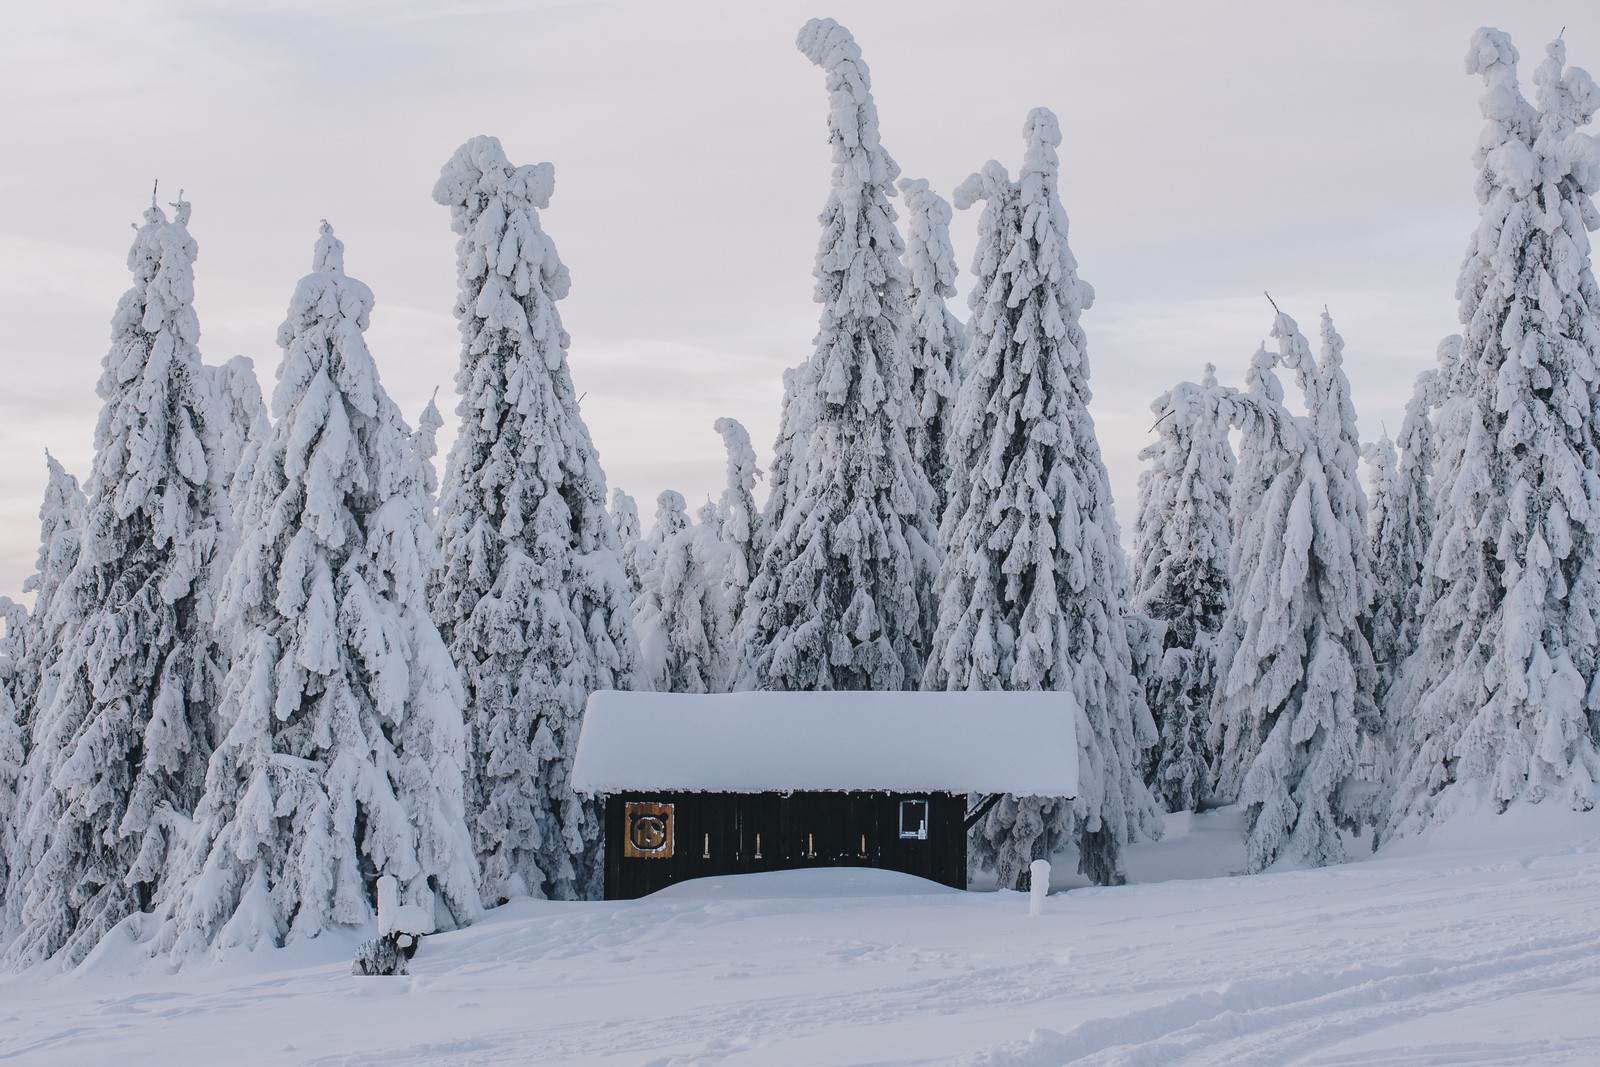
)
(716, 834)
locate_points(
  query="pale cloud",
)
(1212, 151)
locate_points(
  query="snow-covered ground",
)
(1479, 944)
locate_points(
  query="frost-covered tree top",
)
(680, 616)
(242, 422)
(119, 751)
(1033, 583)
(936, 335)
(624, 516)
(787, 472)
(742, 535)
(843, 588)
(61, 516)
(862, 170)
(533, 600)
(425, 446)
(740, 520)
(343, 751)
(1499, 702)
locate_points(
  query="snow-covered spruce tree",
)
(1294, 671)
(1500, 702)
(241, 424)
(665, 665)
(682, 615)
(1388, 536)
(739, 517)
(1398, 529)
(13, 749)
(624, 514)
(1259, 459)
(31, 646)
(534, 600)
(841, 596)
(936, 335)
(60, 537)
(1033, 585)
(119, 752)
(1333, 421)
(1182, 542)
(742, 542)
(343, 750)
(787, 473)
(424, 447)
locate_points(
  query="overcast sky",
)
(1210, 151)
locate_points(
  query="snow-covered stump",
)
(404, 924)
(380, 956)
(1038, 886)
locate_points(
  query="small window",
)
(913, 820)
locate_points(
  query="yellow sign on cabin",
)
(647, 834)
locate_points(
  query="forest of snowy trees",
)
(273, 656)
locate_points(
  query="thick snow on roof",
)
(1020, 743)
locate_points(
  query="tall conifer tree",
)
(344, 749)
(1182, 543)
(119, 753)
(936, 336)
(534, 600)
(1501, 701)
(841, 595)
(1033, 585)
(1295, 674)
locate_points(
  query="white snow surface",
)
(982, 742)
(1477, 944)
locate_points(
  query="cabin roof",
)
(1020, 743)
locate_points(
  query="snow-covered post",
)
(344, 749)
(1033, 585)
(533, 600)
(845, 586)
(1038, 886)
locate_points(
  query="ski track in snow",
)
(1460, 952)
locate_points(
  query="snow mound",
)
(823, 884)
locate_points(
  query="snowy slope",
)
(1478, 944)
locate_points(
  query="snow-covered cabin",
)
(743, 782)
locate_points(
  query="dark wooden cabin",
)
(741, 783)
